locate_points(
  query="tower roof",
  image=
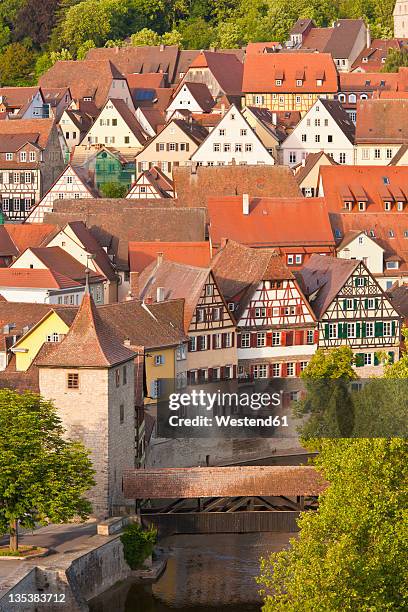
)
(88, 344)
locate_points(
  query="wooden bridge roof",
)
(169, 483)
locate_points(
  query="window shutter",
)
(210, 374)
(316, 336)
(355, 281)
(378, 329)
(222, 373)
(190, 345)
(251, 371)
(253, 339)
(269, 312)
(213, 341)
(177, 147)
(11, 177)
(393, 328)
(283, 338)
(232, 339)
(358, 330)
(157, 146)
(364, 330)
(376, 360)
(366, 303)
(297, 368)
(284, 370)
(344, 305)
(268, 338)
(270, 370)
(365, 281)
(169, 167)
(298, 310)
(139, 167)
(223, 342)
(355, 304)
(167, 146)
(234, 371)
(391, 356)
(299, 336)
(187, 146)
(376, 303)
(326, 331)
(238, 340)
(289, 338)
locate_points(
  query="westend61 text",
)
(228, 421)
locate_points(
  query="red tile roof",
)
(340, 184)
(277, 222)
(261, 71)
(59, 261)
(38, 128)
(31, 278)
(29, 235)
(88, 344)
(225, 68)
(371, 59)
(148, 80)
(382, 121)
(261, 47)
(141, 254)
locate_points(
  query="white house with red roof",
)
(232, 141)
(116, 126)
(151, 183)
(41, 286)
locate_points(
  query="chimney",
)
(162, 48)
(274, 118)
(160, 294)
(368, 36)
(245, 204)
(134, 284)
(222, 109)
(160, 257)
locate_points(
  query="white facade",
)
(375, 154)
(111, 129)
(69, 185)
(401, 19)
(317, 131)
(184, 100)
(232, 141)
(42, 295)
(70, 131)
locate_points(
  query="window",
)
(309, 336)
(155, 390)
(298, 99)
(368, 358)
(317, 122)
(333, 330)
(329, 138)
(231, 306)
(227, 147)
(278, 82)
(276, 370)
(202, 343)
(308, 122)
(23, 156)
(304, 138)
(245, 340)
(158, 360)
(216, 314)
(216, 147)
(360, 281)
(16, 204)
(54, 337)
(6, 205)
(351, 330)
(181, 352)
(121, 413)
(369, 329)
(209, 290)
(258, 99)
(292, 157)
(362, 206)
(276, 338)
(32, 156)
(172, 146)
(298, 259)
(290, 259)
(290, 369)
(260, 312)
(365, 154)
(117, 377)
(260, 339)
(161, 146)
(319, 82)
(192, 344)
(228, 340)
(317, 137)
(342, 158)
(9, 156)
(248, 147)
(388, 153)
(303, 365)
(261, 370)
(387, 328)
(238, 147)
(73, 380)
(243, 132)
(217, 341)
(200, 315)
(377, 153)
(299, 82)
(391, 233)
(27, 204)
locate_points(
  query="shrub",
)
(137, 544)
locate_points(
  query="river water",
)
(204, 573)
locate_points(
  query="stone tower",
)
(401, 19)
(90, 378)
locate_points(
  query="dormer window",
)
(372, 233)
(337, 233)
(400, 206)
(348, 205)
(365, 60)
(299, 82)
(391, 233)
(278, 82)
(9, 157)
(387, 206)
(88, 99)
(392, 265)
(361, 206)
(319, 82)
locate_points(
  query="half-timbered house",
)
(212, 352)
(352, 310)
(277, 329)
(151, 183)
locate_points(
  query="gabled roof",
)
(88, 344)
(239, 270)
(195, 132)
(338, 40)
(16, 238)
(194, 185)
(27, 314)
(226, 68)
(398, 296)
(60, 262)
(269, 120)
(382, 121)
(91, 245)
(17, 97)
(35, 279)
(146, 81)
(80, 119)
(368, 81)
(277, 222)
(84, 78)
(326, 275)
(261, 72)
(129, 118)
(37, 131)
(372, 58)
(371, 184)
(302, 170)
(158, 180)
(178, 281)
(339, 115)
(142, 254)
(200, 93)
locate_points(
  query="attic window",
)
(319, 82)
(278, 82)
(400, 206)
(299, 82)
(372, 233)
(392, 265)
(405, 233)
(391, 233)
(386, 180)
(365, 60)
(367, 83)
(348, 205)
(383, 60)
(362, 206)
(387, 206)
(88, 99)
(337, 233)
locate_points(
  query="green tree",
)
(171, 38)
(84, 48)
(351, 554)
(16, 65)
(145, 37)
(196, 33)
(229, 35)
(43, 476)
(396, 58)
(113, 190)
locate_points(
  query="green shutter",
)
(359, 360)
(364, 330)
(356, 281)
(393, 328)
(344, 305)
(365, 281)
(376, 303)
(366, 304)
(355, 305)
(326, 330)
(340, 330)
(378, 329)
(391, 356)
(376, 360)
(358, 326)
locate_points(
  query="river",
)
(204, 573)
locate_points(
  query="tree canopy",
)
(43, 476)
